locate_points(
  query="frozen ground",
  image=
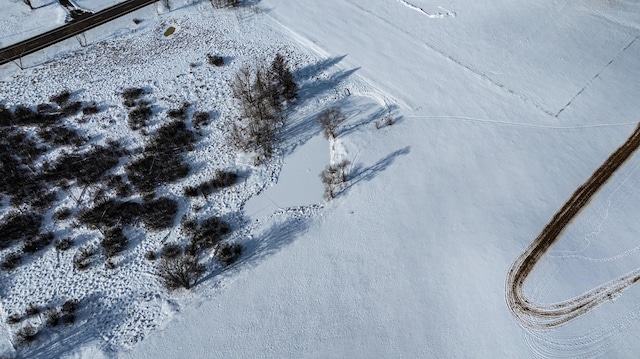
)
(502, 110)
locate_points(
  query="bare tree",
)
(333, 177)
(329, 120)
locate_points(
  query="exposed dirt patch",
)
(546, 316)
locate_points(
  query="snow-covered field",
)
(501, 111)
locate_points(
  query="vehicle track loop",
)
(535, 315)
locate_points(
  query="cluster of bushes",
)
(84, 167)
(220, 180)
(334, 177)
(156, 214)
(140, 113)
(162, 161)
(263, 94)
(53, 316)
(19, 227)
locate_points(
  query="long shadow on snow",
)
(359, 173)
(313, 82)
(266, 243)
(87, 328)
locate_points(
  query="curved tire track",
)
(535, 315)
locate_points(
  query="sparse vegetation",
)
(263, 94)
(69, 310)
(180, 272)
(35, 244)
(220, 180)
(333, 177)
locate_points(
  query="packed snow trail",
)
(546, 316)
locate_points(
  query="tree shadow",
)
(313, 81)
(261, 243)
(88, 327)
(360, 173)
(391, 110)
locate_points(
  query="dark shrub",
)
(26, 334)
(114, 242)
(150, 256)
(215, 60)
(69, 310)
(61, 98)
(132, 93)
(6, 116)
(220, 180)
(90, 109)
(210, 232)
(46, 109)
(162, 160)
(32, 245)
(13, 319)
(179, 114)
(52, 317)
(83, 258)
(62, 213)
(111, 213)
(139, 116)
(87, 167)
(171, 250)
(18, 226)
(227, 253)
(159, 213)
(180, 272)
(11, 261)
(71, 108)
(43, 200)
(61, 136)
(64, 244)
(201, 118)
(32, 309)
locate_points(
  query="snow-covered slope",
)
(501, 110)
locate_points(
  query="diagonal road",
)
(29, 46)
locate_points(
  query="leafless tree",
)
(329, 120)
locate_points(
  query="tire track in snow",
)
(533, 315)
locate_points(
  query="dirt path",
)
(546, 316)
(29, 46)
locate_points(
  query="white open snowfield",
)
(501, 109)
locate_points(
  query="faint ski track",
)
(541, 316)
(595, 77)
(520, 124)
(459, 63)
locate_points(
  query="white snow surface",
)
(502, 109)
